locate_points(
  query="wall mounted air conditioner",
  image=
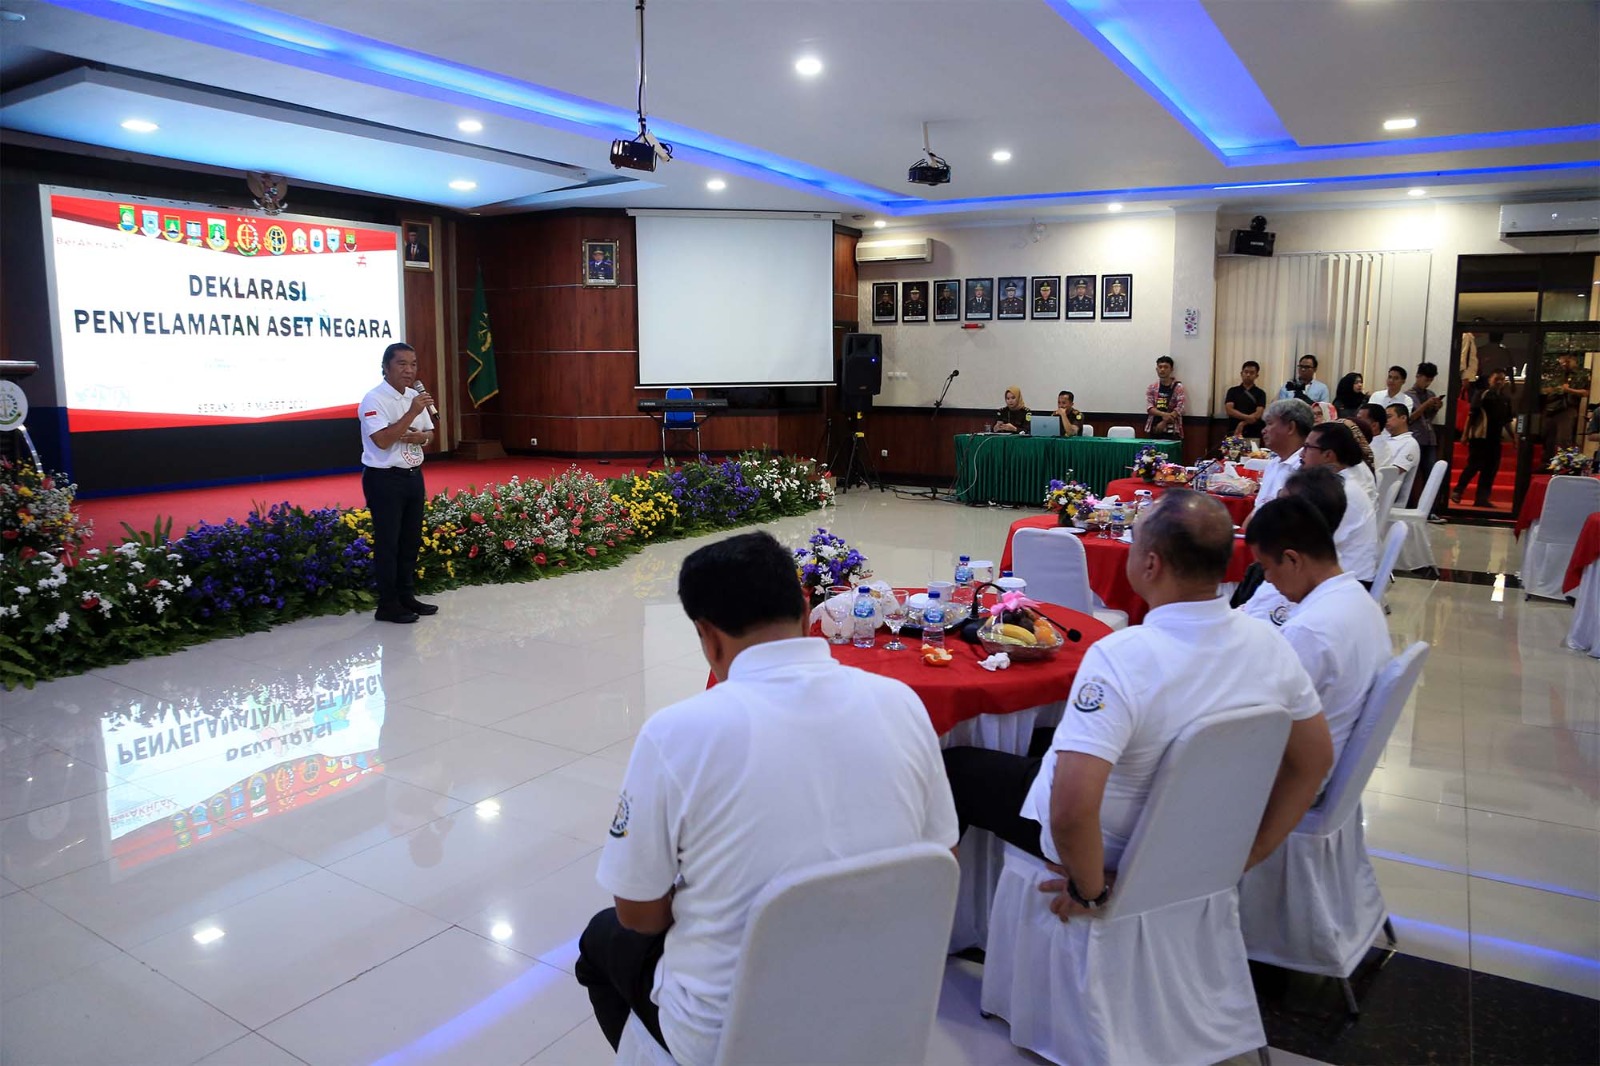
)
(895, 250)
(1577, 218)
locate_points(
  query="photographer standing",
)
(1305, 387)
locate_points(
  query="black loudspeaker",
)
(1253, 242)
(861, 364)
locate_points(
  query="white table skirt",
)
(982, 853)
(1585, 632)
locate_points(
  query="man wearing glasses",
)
(1305, 386)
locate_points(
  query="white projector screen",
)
(734, 301)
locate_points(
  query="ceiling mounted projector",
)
(930, 169)
(642, 152)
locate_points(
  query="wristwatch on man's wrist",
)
(1088, 904)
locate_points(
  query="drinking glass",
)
(894, 614)
(961, 599)
(841, 601)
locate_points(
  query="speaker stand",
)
(858, 467)
(934, 492)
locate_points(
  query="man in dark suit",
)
(1116, 299)
(1082, 298)
(916, 306)
(416, 247)
(600, 268)
(948, 300)
(1044, 299)
(1011, 302)
(978, 302)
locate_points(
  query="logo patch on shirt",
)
(368, 414)
(619, 823)
(1091, 696)
(1280, 614)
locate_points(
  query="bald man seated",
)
(1077, 803)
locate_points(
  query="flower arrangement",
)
(36, 512)
(825, 559)
(1147, 462)
(1071, 500)
(1235, 448)
(1569, 461)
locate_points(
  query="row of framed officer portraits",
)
(1018, 298)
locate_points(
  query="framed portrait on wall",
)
(914, 301)
(416, 245)
(600, 262)
(947, 300)
(1013, 297)
(1080, 295)
(980, 298)
(1046, 296)
(883, 302)
(1117, 302)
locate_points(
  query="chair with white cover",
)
(1417, 551)
(1258, 465)
(1086, 431)
(1548, 543)
(1120, 432)
(841, 962)
(1053, 563)
(1392, 542)
(1160, 975)
(1313, 905)
(1584, 633)
(1386, 478)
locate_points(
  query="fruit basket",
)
(1023, 634)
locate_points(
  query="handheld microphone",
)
(433, 409)
(955, 373)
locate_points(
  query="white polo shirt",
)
(1356, 539)
(1383, 400)
(1340, 635)
(1380, 449)
(1404, 453)
(1140, 687)
(1362, 475)
(794, 760)
(1277, 472)
(381, 408)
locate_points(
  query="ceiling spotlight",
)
(463, 185)
(1400, 124)
(139, 125)
(469, 125)
(808, 66)
(487, 809)
(716, 185)
(1113, 208)
(1001, 156)
(879, 224)
(501, 930)
(1416, 192)
(208, 935)
(12, 16)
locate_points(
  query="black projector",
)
(634, 155)
(928, 172)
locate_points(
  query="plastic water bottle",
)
(1119, 521)
(963, 571)
(933, 622)
(866, 620)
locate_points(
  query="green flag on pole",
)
(482, 384)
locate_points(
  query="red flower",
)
(611, 544)
(561, 562)
(152, 583)
(90, 602)
(510, 544)
(27, 552)
(592, 552)
(9, 534)
(472, 553)
(539, 541)
(478, 518)
(48, 483)
(539, 560)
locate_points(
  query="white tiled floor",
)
(430, 912)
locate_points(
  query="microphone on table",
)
(433, 409)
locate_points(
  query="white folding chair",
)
(1392, 542)
(1053, 564)
(1086, 431)
(1548, 544)
(1120, 432)
(1313, 905)
(1584, 633)
(1160, 975)
(841, 962)
(1417, 551)
(1386, 477)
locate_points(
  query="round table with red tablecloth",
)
(1124, 487)
(1108, 572)
(1583, 584)
(1533, 502)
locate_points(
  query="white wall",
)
(1107, 364)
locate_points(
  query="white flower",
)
(161, 604)
(59, 624)
(185, 582)
(105, 607)
(173, 557)
(137, 566)
(23, 590)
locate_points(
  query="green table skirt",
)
(1007, 468)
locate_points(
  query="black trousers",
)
(1483, 462)
(618, 968)
(395, 497)
(1425, 461)
(989, 788)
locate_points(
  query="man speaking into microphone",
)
(394, 428)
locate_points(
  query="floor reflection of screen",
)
(189, 771)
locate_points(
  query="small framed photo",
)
(947, 300)
(1080, 295)
(1046, 294)
(416, 245)
(980, 298)
(883, 302)
(1013, 298)
(914, 301)
(1118, 299)
(600, 262)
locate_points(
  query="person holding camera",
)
(1304, 386)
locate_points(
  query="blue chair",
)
(679, 421)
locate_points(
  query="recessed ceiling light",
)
(808, 66)
(207, 935)
(1416, 192)
(1001, 156)
(1113, 208)
(12, 16)
(463, 185)
(716, 185)
(1400, 124)
(488, 809)
(139, 125)
(501, 930)
(879, 224)
(469, 125)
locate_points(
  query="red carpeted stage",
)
(188, 507)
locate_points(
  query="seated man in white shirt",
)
(1404, 453)
(1332, 447)
(1283, 431)
(1331, 497)
(1373, 421)
(1136, 690)
(790, 761)
(1395, 392)
(1337, 630)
